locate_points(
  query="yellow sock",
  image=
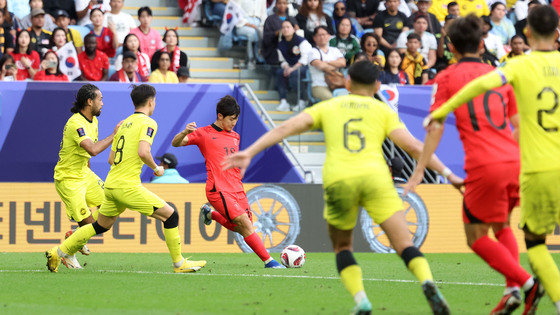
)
(420, 268)
(352, 279)
(77, 240)
(545, 268)
(95, 213)
(173, 241)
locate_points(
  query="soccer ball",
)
(293, 256)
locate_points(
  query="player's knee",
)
(529, 243)
(410, 253)
(344, 259)
(98, 228)
(172, 221)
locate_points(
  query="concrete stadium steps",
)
(156, 11)
(267, 95)
(211, 62)
(197, 41)
(169, 21)
(192, 31)
(152, 3)
(226, 73)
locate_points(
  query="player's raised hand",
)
(191, 127)
(457, 182)
(117, 127)
(158, 171)
(414, 180)
(240, 159)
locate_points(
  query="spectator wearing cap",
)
(84, 8)
(53, 7)
(492, 42)
(150, 39)
(123, 21)
(94, 63)
(170, 173)
(364, 11)
(129, 71)
(183, 74)
(40, 37)
(62, 20)
(26, 22)
(434, 26)
(429, 45)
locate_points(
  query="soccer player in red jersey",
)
(491, 162)
(224, 188)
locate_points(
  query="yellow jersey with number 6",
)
(127, 165)
(355, 127)
(536, 81)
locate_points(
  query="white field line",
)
(266, 276)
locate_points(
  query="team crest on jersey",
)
(81, 132)
(150, 132)
(107, 38)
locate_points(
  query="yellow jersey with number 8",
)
(127, 165)
(355, 127)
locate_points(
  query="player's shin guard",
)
(256, 244)
(417, 264)
(350, 272)
(216, 216)
(507, 239)
(544, 266)
(172, 237)
(79, 238)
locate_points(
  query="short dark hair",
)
(144, 9)
(452, 4)
(413, 36)
(227, 106)
(421, 16)
(364, 39)
(495, 5)
(534, 2)
(320, 27)
(85, 93)
(141, 94)
(364, 72)
(88, 36)
(466, 33)
(543, 20)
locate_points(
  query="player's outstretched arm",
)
(94, 149)
(145, 154)
(515, 123)
(181, 138)
(293, 126)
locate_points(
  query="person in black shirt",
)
(311, 16)
(53, 6)
(389, 24)
(6, 39)
(271, 32)
(364, 11)
(521, 25)
(40, 38)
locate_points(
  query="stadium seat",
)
(81, 29)
(310, 97)
(210, 19)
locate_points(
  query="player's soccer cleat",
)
(205, 211)
(84, 250)
(53, 260)
(190, 266)
(435, 298)
(532, 297)
(362, 308)
(71, 262)
(509, 303)
(274, 265)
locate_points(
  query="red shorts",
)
(230, 204)
(491, 193)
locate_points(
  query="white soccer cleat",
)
(71, 262)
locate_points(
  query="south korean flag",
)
(69, 61)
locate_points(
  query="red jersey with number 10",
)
(216, 144)
(483, 123)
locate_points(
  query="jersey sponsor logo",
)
(150, 132)
(81, 132)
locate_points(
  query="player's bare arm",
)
(181, 138)
(111, 157)
(94, 149)
(515, 124)
(145, 154)
(293, 126)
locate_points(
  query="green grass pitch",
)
(238, 284)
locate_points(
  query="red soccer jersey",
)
(92, 70)
(105, 42)
(215, 145)
(483, 123)
(23, 73)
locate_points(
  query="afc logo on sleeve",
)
(81, 132)
(150, 132)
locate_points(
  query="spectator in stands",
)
(62, 20)
(6, 38)
(454, 9)
(132, 44)
(293, 52)
(8, 69)
(478, 7)
(364, 11)
(94, 63)
(340, 13)
(150, 39)
(370, 46)
(170, 174)
(107, 41)
(163, 74)
(272, 29)
(440, 8)
(487, 57)
(26, 22)
(123, 21)
(84, 8)
(251, 26)
(218, 7)
(53, 7)
(27, 60)
(40, 38)
(389, 24)
(521, 25)
(183, 74)
(429, 45)
(434, 26)
(517, 47)
(413, 62)
(445, 56)
(51, 70)
(392, 74)
(9, 19)
(178, 58)
(345, 42)
(492, 42)
(58, 39)
(323, 60)
(129, 70)
(311, 16)
(361, 56)
(501, 25)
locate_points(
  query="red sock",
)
(499, 258)
(256, 244)
(505, 237)
(216, 216)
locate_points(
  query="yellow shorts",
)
(80, 195)
(134, 198)
(344, 198)
(540, 201)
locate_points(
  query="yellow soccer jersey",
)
(355, 128)
(72, 158)
(439, 9)
(126, 168)
(478, 7)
